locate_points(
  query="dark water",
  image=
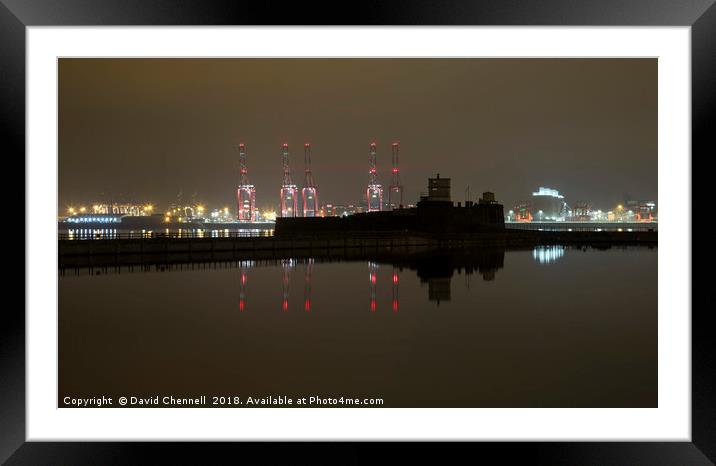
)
(550, 327)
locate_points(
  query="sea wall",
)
(80, 253)
(433, 218)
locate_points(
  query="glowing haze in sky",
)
(155, 129)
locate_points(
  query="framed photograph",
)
(421, 222)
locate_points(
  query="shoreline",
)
(348, 245)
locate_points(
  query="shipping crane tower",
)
(246, 192)
(289, 201)
(374, 193)
(395, 191)
(310, 191)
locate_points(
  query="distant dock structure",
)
(246, 192)
(435, 214)
(309, 191)
(395, 190)
(289, 191)
(374, 192)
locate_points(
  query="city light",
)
(547, 205)
(548, 192)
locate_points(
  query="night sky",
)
(150, 130)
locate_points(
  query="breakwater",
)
(87, 253)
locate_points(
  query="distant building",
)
(438, 189)
(488, 198)
(581, 212)
(434, 213)
(185, 213)
(94, 218)
(646, 212)
(630, 204)
(548, 204)
(223, 215)
(521, 212)
(122, 209)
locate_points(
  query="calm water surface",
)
(549, 327)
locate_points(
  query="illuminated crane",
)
(246, 192)
(289, 202)
(374, 193)
(395, 191)
(309, 191)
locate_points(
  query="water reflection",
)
(435, 269)
(244, 267)
(307, 286)
(92, 233)
(373, 278)
(114, 233)
(504, 335)
(432, 268)
(287, 265)
(548, 254)
(395, 289)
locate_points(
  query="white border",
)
(670, 421)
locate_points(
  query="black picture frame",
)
(16, 15)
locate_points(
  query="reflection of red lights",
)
(242, 305)
(395, 278)
(243, 279)
(372, 305)
(395, 305)
(285, 305)
(372, 278)
(307, 305)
